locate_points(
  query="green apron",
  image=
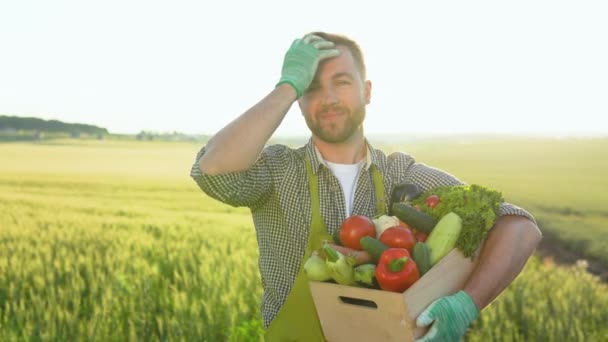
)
(297, 319)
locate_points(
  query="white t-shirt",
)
(347, 175)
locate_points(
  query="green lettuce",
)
(478, 207)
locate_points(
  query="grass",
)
(108, 240)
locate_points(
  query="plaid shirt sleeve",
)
(246, 188)
(511, 209)
(428, 177)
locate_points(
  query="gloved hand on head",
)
(302, 59)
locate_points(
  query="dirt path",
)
(550, 247)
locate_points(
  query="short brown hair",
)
(350, 44)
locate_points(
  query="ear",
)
(368, 91)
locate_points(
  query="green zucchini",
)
(422, 257)
(414, 218)
(374, 247)
(443, 238)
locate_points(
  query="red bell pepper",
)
(396, 270)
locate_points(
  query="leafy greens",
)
(478, 207)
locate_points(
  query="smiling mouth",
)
(331, 115)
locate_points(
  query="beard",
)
(336, 131)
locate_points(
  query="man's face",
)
(334, 104)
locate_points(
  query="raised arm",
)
(237, 146)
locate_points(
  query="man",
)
(299, 197)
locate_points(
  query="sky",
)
(520, 67)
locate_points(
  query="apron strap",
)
(379, 187)
(317, 226)
(314, 194)
(297, 319)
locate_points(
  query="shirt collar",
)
(371, 158)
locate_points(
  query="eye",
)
(343, 82)
(312, 88)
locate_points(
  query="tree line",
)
(54, 126)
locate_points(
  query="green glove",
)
(452, 316)
(302, 59)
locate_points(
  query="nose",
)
(330, 96)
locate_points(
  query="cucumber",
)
(416, 219)
(374, 247)
(443, 238)
(422, 257)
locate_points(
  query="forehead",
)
(339, 64)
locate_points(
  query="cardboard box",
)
(349, 313)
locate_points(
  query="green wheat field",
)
(112, 241)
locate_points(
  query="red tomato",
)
(421, 237)
(432, 201)
(398, 237)
(354, 228)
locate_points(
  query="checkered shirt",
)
(276, 190)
